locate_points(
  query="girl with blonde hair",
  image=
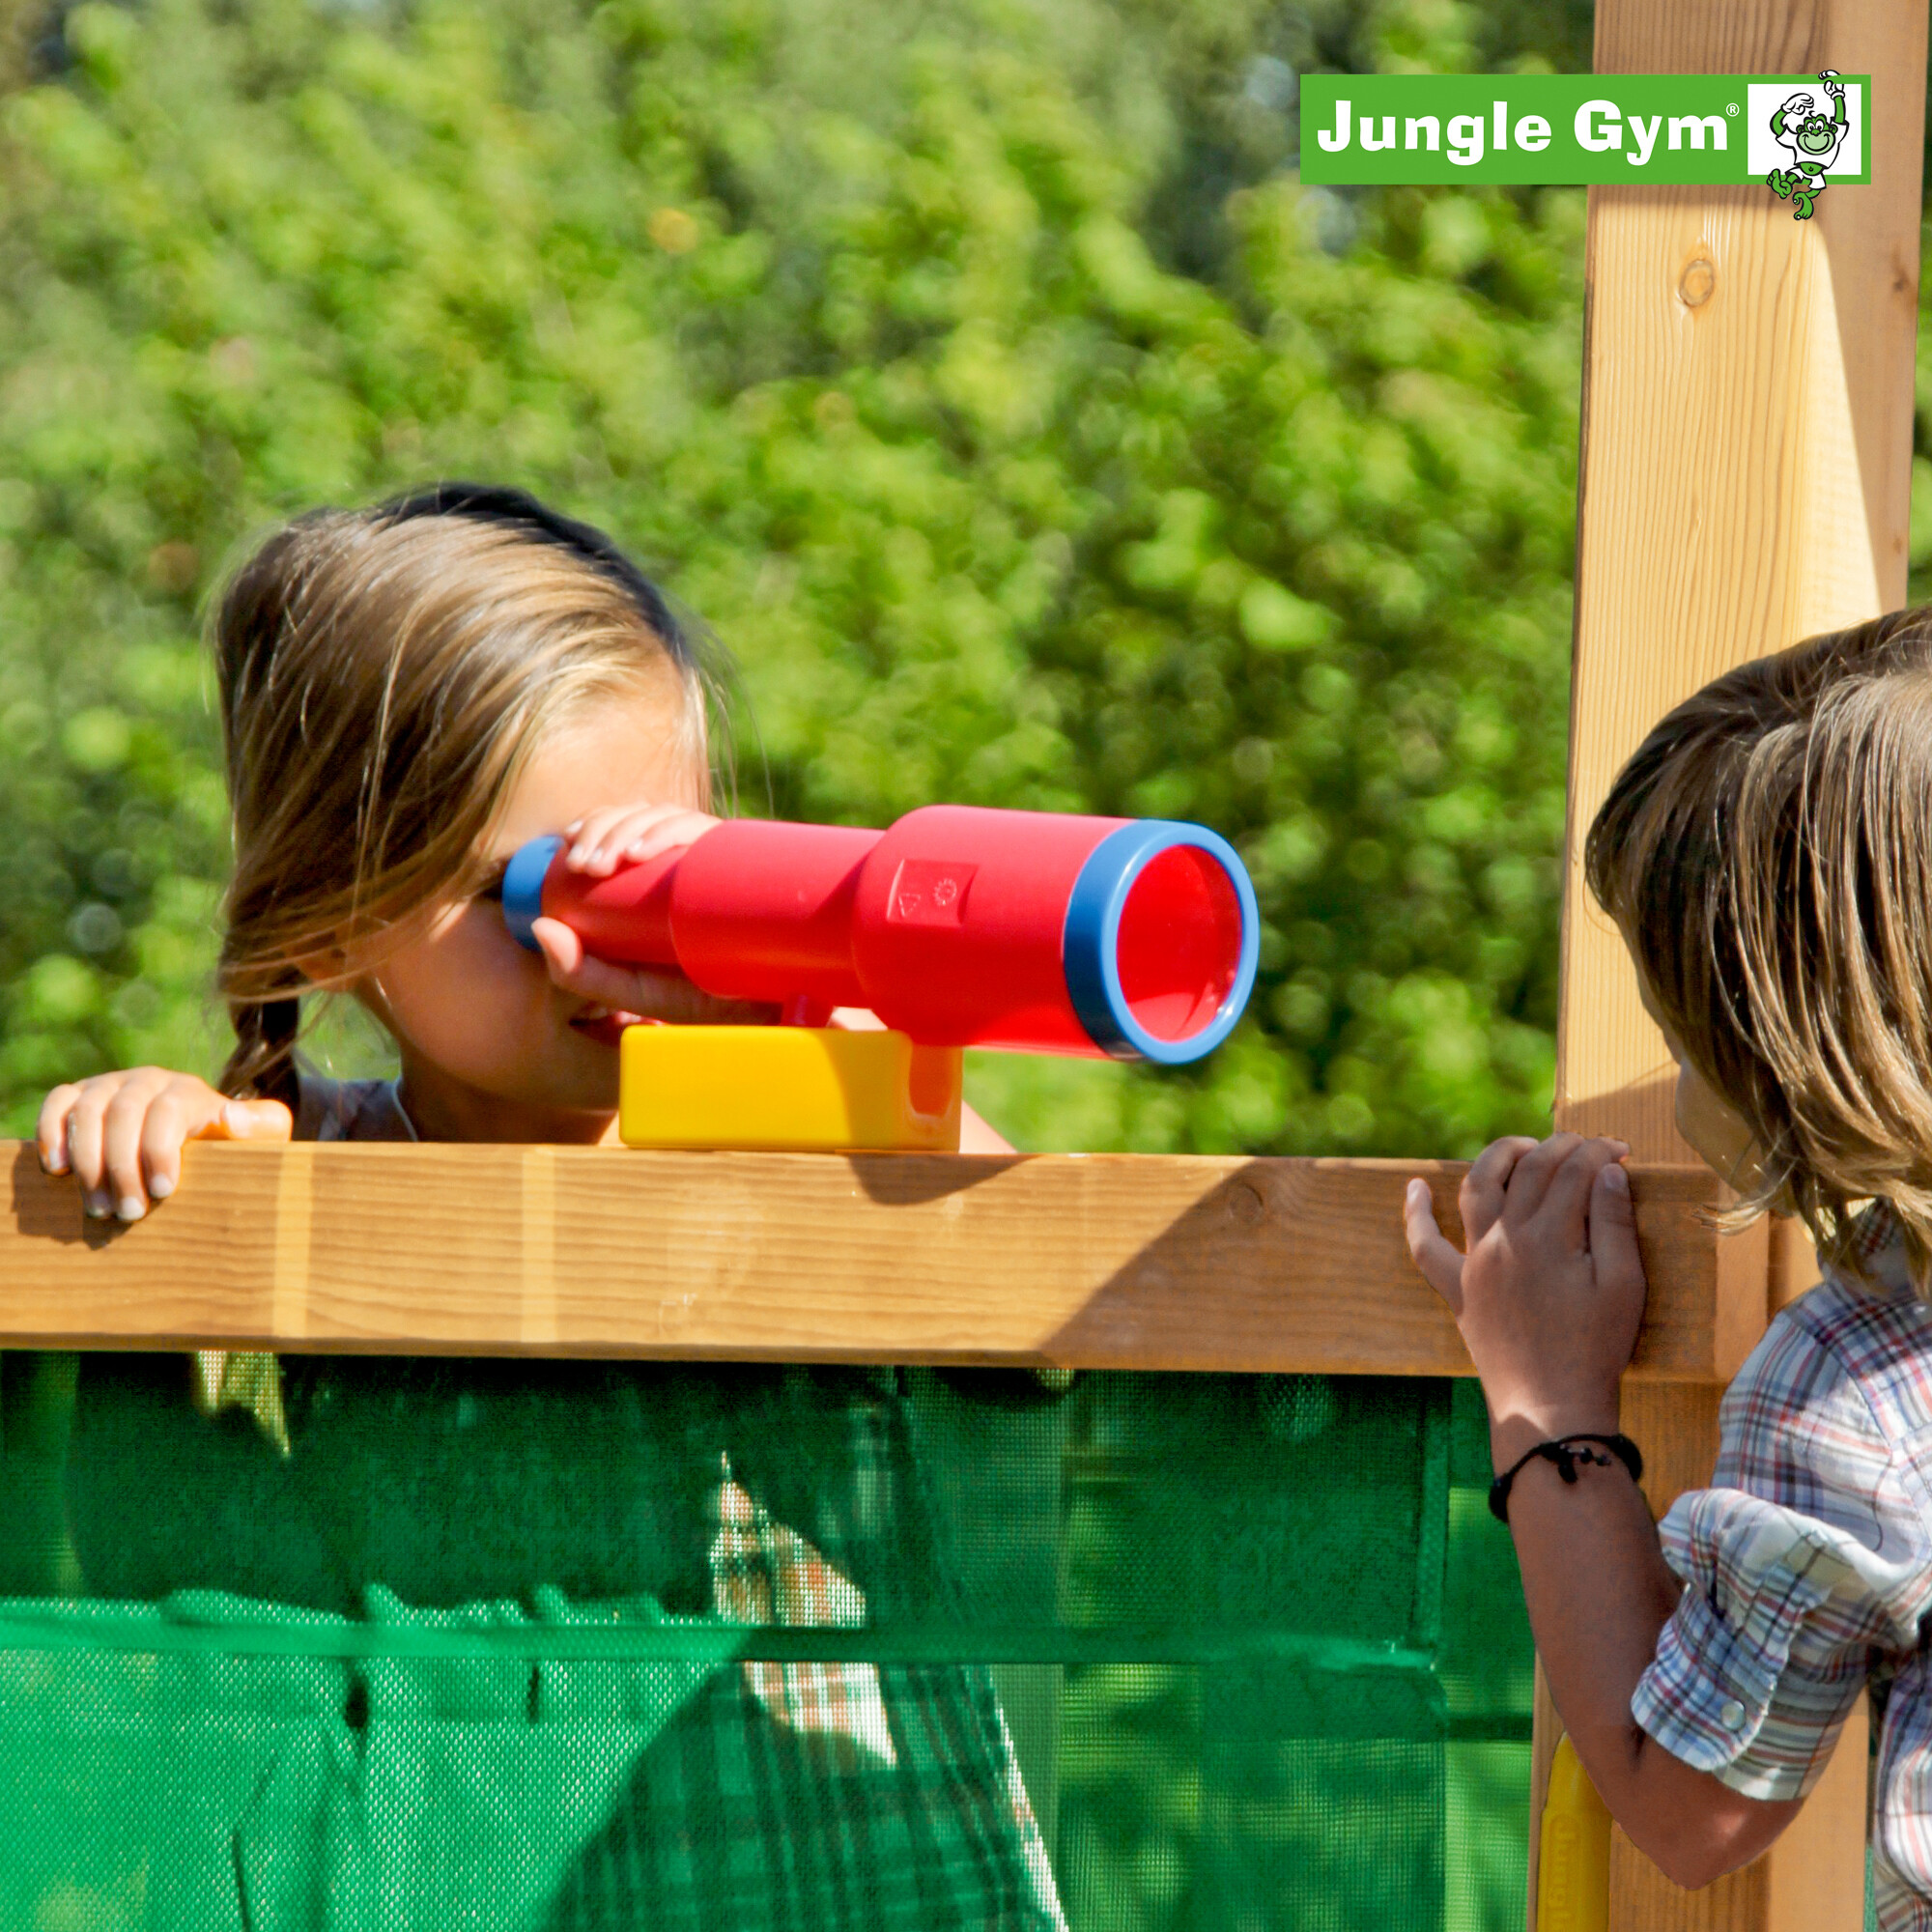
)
(407, 695)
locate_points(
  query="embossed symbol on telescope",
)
(930, 892)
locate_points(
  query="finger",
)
(624, 990)
(1567, 1200)
(1529, 1180)
(605, 838)
(182, 1109)
(645, 834)
(573, 970)
(1614, 1247)
(85, 1134)
(1432, 1250)
(122, 1123)
(50, 1129)
(264, 1121)
(1488, 1179)
(190, 1110)
(668, 998)
(561, 947)
(667, 834)
(585, 852)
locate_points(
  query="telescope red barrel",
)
(959, 925)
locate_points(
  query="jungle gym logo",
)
(1795, 133)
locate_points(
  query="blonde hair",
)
(384, 675)
(1768, 855)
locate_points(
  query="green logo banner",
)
(1797, 133)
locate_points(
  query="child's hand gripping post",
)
(958, 926)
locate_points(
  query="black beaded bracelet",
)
(1561, 1451)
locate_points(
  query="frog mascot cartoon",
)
(1813, 138)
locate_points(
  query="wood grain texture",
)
(1746, 457)
(1107, 1261)
(1745, 482)
(1803, 1893)
(1794, 1263)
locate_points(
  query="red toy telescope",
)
(959, 927)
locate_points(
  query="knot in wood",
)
(1695, 285)
(1245, 1207)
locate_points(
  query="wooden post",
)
(1748, 400)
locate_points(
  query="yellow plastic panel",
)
(1573, 1871)
(808, 1089)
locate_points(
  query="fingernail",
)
(131, 1208)
(160, 1188)
(98, 1205)
(1614, 1179)
(53, 1163)
(235, 1117)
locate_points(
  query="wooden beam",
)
(1747, 404)
(1101, 1261)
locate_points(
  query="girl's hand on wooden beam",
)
(1551, 1294)
(121, 1134)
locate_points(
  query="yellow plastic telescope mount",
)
(802, 1089)
(1572, 1872)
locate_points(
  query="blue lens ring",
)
(522, 887)
(1090, 940)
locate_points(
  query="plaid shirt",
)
(1808, 1567)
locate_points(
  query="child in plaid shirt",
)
(1766, 855)
(407, 695)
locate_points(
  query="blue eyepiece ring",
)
(522, 887)
(1090, 940)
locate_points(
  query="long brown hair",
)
(1768, 855)
(384, 675)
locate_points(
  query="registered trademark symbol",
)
(1732, 108)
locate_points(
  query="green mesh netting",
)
(583, 1645)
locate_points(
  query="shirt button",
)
(1731, 1714)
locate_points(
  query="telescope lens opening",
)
(1179, 945)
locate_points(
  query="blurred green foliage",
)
(975, 367)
